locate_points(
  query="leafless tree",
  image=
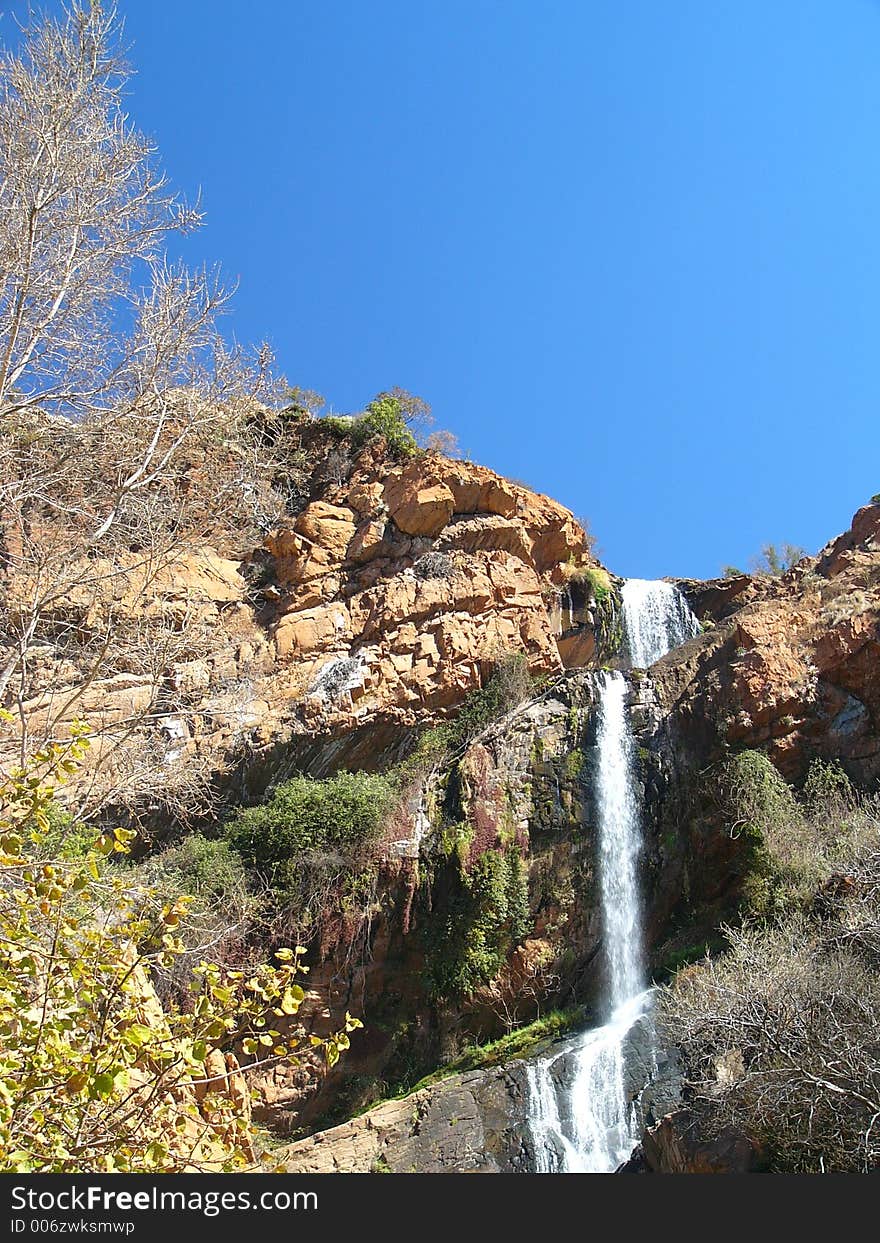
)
(131, 432)
(520, 991)
(779, 1035)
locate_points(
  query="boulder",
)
(419, 511)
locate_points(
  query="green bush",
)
(758, 797)
(762, 812)
(792, 844)
(826, 782)
(385, 417)
(339, 425)
(207, 868)
(598, 582)
(342, 814)
(64, 837)
(776, 560)
(592, 579)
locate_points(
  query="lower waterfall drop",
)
(580, 1116)
(619, 843)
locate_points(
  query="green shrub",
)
(342, 813)
(776, 560)
(385, 417)
(598, 581)
(826, 782)
(755, 797)
(339, 425)
(762, 812)
(792, 846)
(64, 837)
(594, 581)
(207, 868)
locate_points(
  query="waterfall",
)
(580, 1119)
(619, 841)
(584, 1123)
(581, 1114)
(656, 618)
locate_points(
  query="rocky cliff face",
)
(395, 593)
(372, 610)
(792, 663)
(786, 665)
(368, 615)
(519, 792)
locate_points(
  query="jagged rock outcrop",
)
(795, 668)
(469, 1123)
(674, 1145)
(788, 666)
(399, 589)
(374, 609)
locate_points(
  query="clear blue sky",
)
(629, 250)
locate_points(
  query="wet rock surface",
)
(475, 1122)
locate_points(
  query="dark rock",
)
(674, 1146)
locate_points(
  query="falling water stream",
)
(581, 1114)
(656, 618)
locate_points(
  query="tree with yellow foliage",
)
(94, 1074)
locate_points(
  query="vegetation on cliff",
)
(773, 560)
(778, 1035)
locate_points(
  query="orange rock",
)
(331, 527)
(419, 511)
(370, 540)
(423, 574)
(303, 632)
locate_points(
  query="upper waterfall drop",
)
(656, 618)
